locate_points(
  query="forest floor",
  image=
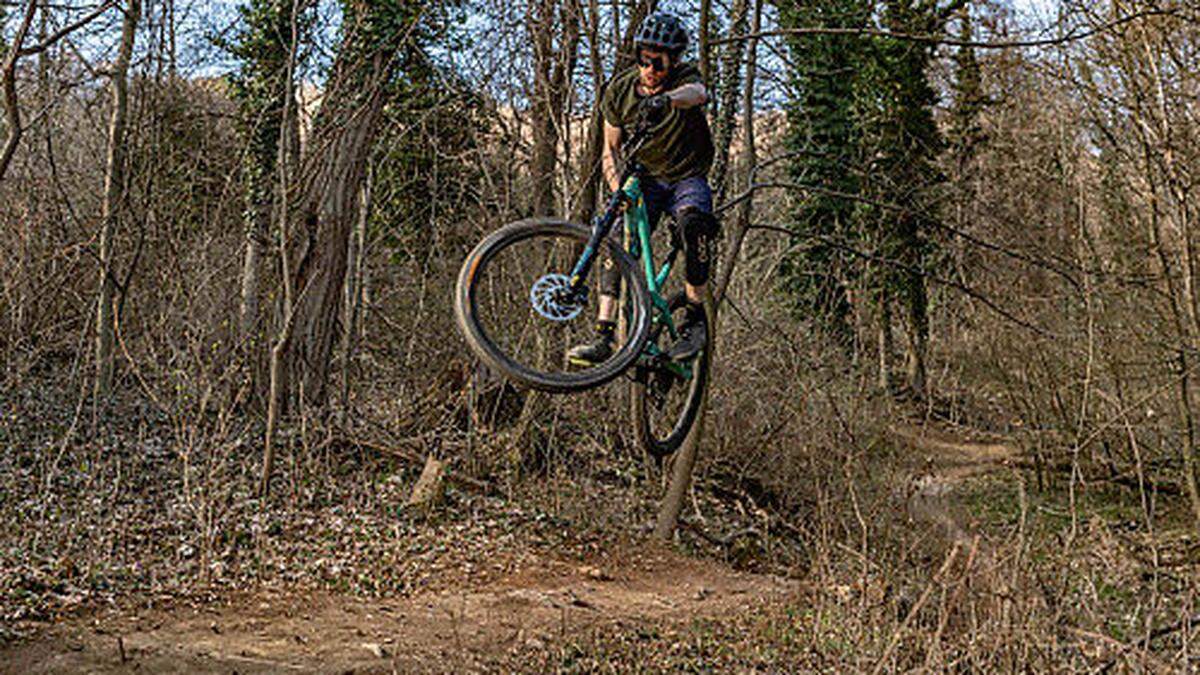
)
(517, 619)
(617, 600)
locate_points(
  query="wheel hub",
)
(553, 298)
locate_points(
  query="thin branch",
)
(982, 243)
(8, 83)
(61, 33)
(933, 39)
(991, 304)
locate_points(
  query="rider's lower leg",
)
(693, 331)
(601, 348)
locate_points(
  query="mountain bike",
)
(523, 298)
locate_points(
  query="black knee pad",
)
(610, 277)
(699, 243)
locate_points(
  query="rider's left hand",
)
(655, 107)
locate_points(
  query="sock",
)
(606, 329)
(694, 312)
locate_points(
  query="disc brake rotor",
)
(553, 298)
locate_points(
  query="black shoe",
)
(593, 353)
(693, 335)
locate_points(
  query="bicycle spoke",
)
(506, 313)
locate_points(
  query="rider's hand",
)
(654, 108)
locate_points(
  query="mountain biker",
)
(677, 155)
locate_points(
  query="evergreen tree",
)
(906, 144)
(862, 132)
(823, 134)
(965, 133)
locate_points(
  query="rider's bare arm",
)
(688, 95)
(612, 152)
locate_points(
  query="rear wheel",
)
(514, 307)
(665, 402)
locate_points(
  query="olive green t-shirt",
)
(680, 146)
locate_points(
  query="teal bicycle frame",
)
(637, 239)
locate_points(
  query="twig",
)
(912, 613)
(988, 302)
(1144, 643)
(1123, 648)
(61, 33)
(934, 39)
(723, 542)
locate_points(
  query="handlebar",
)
(631, 146)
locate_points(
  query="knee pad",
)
(699, 243)
(610, 278)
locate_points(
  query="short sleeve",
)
(687, 74)
(608, 104)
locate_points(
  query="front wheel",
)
(665, 401)
(514, 306)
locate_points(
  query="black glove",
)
(654, 108)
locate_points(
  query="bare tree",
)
(8, 70)
(590, 160)
(321, 209)
(553, 68)
(114, 187)
(727, 96)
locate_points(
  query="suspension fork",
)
(600, 228)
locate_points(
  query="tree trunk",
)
(258, 223)
(749, 159)
(540, 25)
(354, 283)
(8, 86)
(334, 175)
(727, 98)
(704, 49)
(114, 185)
(552, 72)
(589, 167)
(584, 208)
(684, 462)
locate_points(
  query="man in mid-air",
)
(676, 157)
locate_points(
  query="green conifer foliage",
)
(261, 48)
(904, 173)
(823, 134)
(863, 135)
(965, 133)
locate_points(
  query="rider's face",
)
(653, 67)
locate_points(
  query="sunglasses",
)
(658, 63)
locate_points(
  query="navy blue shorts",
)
(674, 197)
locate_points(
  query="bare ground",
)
(489, 625)
(467, 629)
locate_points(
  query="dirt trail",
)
(448, 631)
(947, 461)
(470, 628)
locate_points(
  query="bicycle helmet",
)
(662, 31)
